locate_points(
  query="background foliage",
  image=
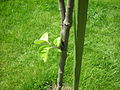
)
(23, 21)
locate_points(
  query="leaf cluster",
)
(45, 45)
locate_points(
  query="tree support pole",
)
(80, 25)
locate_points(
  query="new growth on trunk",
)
(66, 19)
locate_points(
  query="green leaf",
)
(58, 50)
(39, 41)
(42, 47)
(44, 37)
(44, 50)
(57, 41)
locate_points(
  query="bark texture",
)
(66, 17)
(62, 10)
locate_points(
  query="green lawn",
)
(23, 21)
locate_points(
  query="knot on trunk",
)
(67, 23)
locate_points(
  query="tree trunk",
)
(66, 18)
(80, 24)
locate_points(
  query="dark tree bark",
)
(62, 10)
(66, 18)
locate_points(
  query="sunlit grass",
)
(23, 21)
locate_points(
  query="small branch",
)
(62, 10)
(68, 18)
(56, 47)
(67, 23)
(69, 11)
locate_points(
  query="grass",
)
(23, 21)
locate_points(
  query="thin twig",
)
(62, 10)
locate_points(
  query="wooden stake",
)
(80, 24)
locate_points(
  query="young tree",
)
(66, 12)
(66, 19)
